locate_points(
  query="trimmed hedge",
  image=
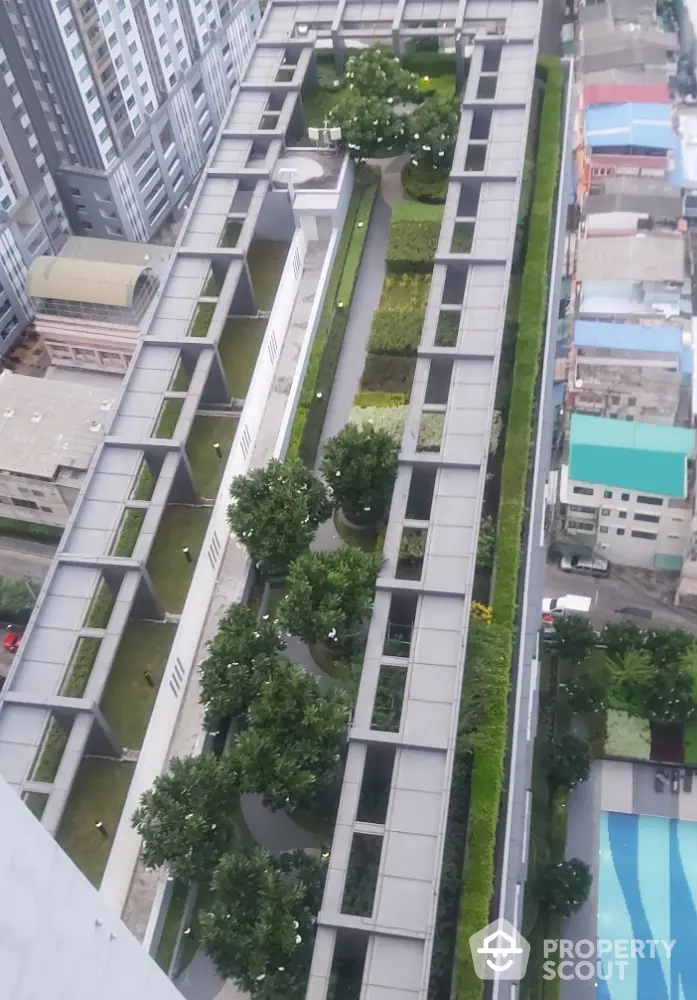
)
(396, 331)
(428, 186)
(413, 211)
(412, 246)
(379, 399)
(388, 373)
(490, 747)
(434, 64)
(12, 528)
(324, 356)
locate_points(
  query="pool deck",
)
(624, 787)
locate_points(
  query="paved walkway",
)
(277, 831)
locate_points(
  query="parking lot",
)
(622, 589)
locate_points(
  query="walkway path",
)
(277, 831)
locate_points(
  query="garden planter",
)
(366, 528)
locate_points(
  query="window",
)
(651, 518)
(97, 115)
(605, 511)
(127, 27)
(656, 501)
(133, 48)
(17, 502)
(625, 496)
(650, 535)
(76, 51)
(603, 529)
(138, 68)
(608, 494)
(620, 531)
(585, 490)
(623, 514)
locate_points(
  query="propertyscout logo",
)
(500, 952)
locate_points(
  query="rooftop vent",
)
(95, 426)
(8, 413)
(36, 417)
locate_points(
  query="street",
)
(611, 594)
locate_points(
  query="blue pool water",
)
(647, 889)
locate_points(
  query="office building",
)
(115, 103)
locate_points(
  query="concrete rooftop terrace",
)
(418, 626)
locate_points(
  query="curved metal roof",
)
(96, 281)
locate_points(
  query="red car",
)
(11, 641)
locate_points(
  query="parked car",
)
(588, 565)
(569, 604)
(11, 641)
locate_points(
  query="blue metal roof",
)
(638, 125)
(628, 336)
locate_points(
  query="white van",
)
(569, 604)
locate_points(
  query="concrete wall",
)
(31, 491)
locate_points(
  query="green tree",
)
(259, 929)
(631, 679)
(359, 465)
(276, 511)
(329, 595)
(662, 691)
(569, 761)
(291, 750)
(573, 638)
(240, 656)
(433, 132)
(666, 646)
(374, 72)
(15, 596)
(369, 126)
(619, 638)
(187, 818)
(563, 886)
(587, 684)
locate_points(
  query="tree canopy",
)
(369, 125)
(329, 595)
(291, 750)
(375, 72)
(359, 465)
(563, 886)
(276, 511)
(240, 656)
(259, 928)
(569, 761)
(433, 132)
(188, 818)
(573, 637)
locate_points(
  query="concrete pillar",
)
(460, 68)
(183, 488)
(102, 741)
(243, 299)
(147, 604)
(216, 390)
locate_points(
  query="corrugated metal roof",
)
(664, 206)
(95, 281)
(650, 458)
(627, 336)
(625, 93)
(647, 126)
(642, 257)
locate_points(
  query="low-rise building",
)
(630, 372)
(626, 490)
(629, 139)
(632, 201)
(49, 431)
(645, 257)
(93, 299)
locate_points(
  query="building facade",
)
(626, 490)
(49, 431)
(116, 104)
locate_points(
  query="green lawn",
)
(98, 795)
(128, 698)
(266, 259)
(181, 380)
(171, 573)
(231, 234)
(206, 466)
(239, 347)
(169, 417)
(173, 919)
(202, 319)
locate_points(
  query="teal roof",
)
(649, 458)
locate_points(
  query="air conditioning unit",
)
(313, 134)
(335, 134)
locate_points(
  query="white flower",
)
(319, 395)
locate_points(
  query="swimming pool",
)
(647, 888)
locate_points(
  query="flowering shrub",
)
(390, 419)
(433, 134)
(375, 72)
(369, 125)
(481, 611)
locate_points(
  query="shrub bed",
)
(388, 373)
(324, 356)
(627, 736)
(427, 186)
(412, 246)
(379, 399)
(396, 331)
(488, 768)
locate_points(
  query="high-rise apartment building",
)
(112, 105)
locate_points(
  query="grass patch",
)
(379, 399)
(206, 466)
(82, 663)
(202, 319)
(266, 260)
(51, 753)
(128, 535)
(180, 527)
(413, 211)
(128, 697)
(101, 607)
(324, 356)
(98, 795)
(230, 234)
(48, 533)
(488, 768)
(168, 418)
(181, 380)
(388, 374)
(172, 923)
(239, 348)
(144, 485)
(412, 245)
